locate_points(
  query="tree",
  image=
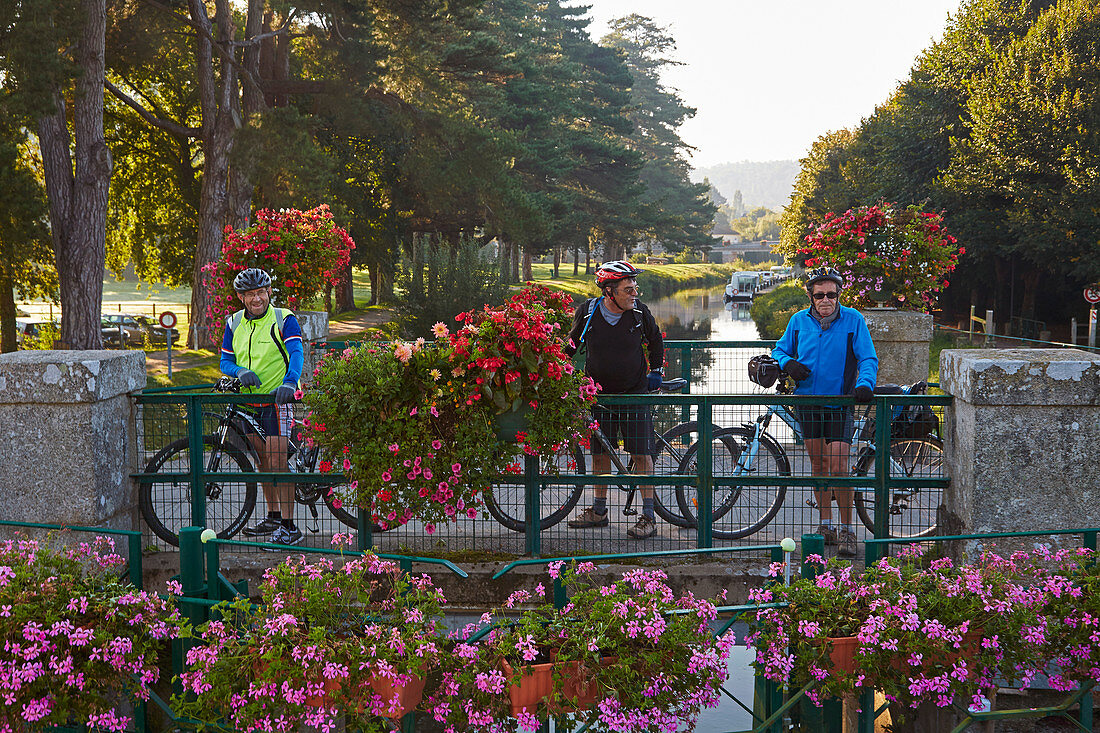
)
(52, 59)
(1033, 153)
(677, 212)
(26, 260)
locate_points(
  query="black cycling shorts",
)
(834, 424)
(275, 419)
(633, 422)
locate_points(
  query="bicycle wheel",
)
(166, 505)
(738, 511)
(913, 510)
(506, 501)
(308, 493)
(670, 451)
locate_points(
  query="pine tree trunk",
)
(515, 262)
(78, 194)
(557, 261)
(345, 291)
(528, 274)
(218, 128)
(1031, 278)
(504, 252)
(7, 301)
(576, 261)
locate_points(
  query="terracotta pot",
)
(970, 646)
(537, 685)
(409, 696)
(324, 699)
(581, 693)
(842, 654)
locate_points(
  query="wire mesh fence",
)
(749, 458)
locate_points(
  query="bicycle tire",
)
(506, 501)
(165, 516)
(738, 511)
(308, 493)
(665, 501)
(919, 458)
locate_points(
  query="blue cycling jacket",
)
(839, 358)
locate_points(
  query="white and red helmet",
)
(612, 272)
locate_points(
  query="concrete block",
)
(902, 340)
(71, 422)
(1021, 376)
(1020, 442)
(314, 328)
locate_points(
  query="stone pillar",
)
(314, 328)
(902, 340)
(69, 426)
(1021, 441)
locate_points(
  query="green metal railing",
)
(186, 414)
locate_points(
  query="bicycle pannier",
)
(915, 422)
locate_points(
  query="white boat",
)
(742, 286)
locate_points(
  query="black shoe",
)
(265, 526)
(285, 536)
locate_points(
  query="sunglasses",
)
(831, 295)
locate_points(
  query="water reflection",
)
(702, 314)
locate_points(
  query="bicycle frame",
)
(628, 508)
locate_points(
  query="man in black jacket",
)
(624, 354)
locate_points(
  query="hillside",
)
(762, 183)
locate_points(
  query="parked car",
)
(28, 328)
(132, 332)
(135, 328)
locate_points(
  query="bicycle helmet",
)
(612, 272)
(251, 279)
(763, 370)
(818, 274)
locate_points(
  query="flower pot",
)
(842, 654)
(580, 692)
(324, 699)
(408, 695)
(535, 685)
(969, 647)
(508, 424)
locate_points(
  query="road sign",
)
(1092, 294)
(168, 318)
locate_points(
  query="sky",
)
(768, 77)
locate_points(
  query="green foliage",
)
(772, 310)
(445, 281)
(411, 426)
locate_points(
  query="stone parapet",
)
(69, 376)
(902, 340)
(71, 426)
(1020, 440)
(314, 328)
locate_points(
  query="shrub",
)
(772, 310)
(452, 280)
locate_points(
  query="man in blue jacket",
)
(827, 350)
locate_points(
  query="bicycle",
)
(747, 509)
(506, 502)
(166, 505)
